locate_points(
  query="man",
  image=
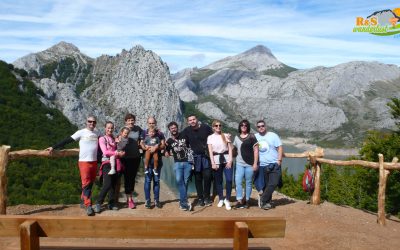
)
(178, 145)
(88, 145)
(197, 134)
(270, 157)
(151, 176)
(131, 160)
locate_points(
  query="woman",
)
(131, 160)
(109, 148)
(246, 162)
(220, 150)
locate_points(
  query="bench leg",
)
(240, 236)
(29, 236)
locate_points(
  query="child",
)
(121, 140)
(150, 140)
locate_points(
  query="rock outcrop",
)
(135, 81)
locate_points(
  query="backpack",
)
(308, 181)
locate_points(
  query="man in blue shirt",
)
(270, 158)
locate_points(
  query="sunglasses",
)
(217, 125)
(94, 122)
(243, 125)
(260, 126)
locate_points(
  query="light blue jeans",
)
(246, 171)
(182, 173)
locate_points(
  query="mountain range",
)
(331, 104)
(335, 105)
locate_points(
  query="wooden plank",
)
(240, 236)
(14, 155)
(9, 225)
(161, 228)
(29, 235)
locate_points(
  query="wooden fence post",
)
(3, 178)
(316, 195)
(382, 191)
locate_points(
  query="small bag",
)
(308, 181)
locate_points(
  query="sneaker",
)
(97, 208)
(207, 202)
(239, 204)
(146, 171)
(157, 204)
(131, 204)
(189, 207)
(220, 203)
(89, 211)
(183, 207)
(112, 207)
(200, 203)
(266, 206)
(155, 172)
(112, 171)
(246, 204)
(259, 199)
(147, 204)
(227, 204)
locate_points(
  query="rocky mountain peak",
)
(63, 48)
(259, 58)
(259, 49)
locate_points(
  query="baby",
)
(150, 140)
(121, 140)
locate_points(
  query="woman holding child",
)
(108, 147)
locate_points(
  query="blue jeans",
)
(182, 173)
(259, 182)
(148, 178)
(218, 179)
(246, 171)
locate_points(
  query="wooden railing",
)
(315, 157)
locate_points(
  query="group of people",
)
(206, 152)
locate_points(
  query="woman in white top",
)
(220, 150)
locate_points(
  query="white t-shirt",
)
(88, 143)
(219, 146)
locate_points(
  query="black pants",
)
(272, 174)
(131, 166)
(109, 183)
(203, 183)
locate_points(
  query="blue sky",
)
(302, 34)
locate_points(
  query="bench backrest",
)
(130, 227)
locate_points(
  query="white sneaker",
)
(220, 203)
(227, 204)
(112, 171)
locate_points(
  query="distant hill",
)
(26, 123)
(333, 106)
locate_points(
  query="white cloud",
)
(190, 33)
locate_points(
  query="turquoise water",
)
(295, 166)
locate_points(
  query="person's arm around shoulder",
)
(210, 152)
(256, 152)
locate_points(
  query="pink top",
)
(108, 145)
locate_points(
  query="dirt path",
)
(326, 226)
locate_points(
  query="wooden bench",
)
(31, 228)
